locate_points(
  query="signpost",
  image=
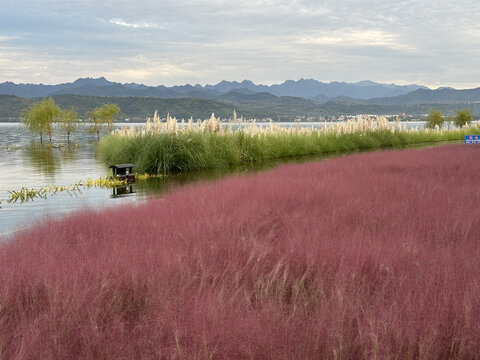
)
(472, 139)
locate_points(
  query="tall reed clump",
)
(172, 146)
(370, 256)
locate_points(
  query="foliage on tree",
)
(108, 113)
(68, 121)
(463, 118)
(434, 119)
(39, 117)
(102, 115)
(94, 118)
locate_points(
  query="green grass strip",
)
(165, 153)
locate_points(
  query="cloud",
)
(137, 25)
(6, 38)
(357, 38)
(150, 70)
(176, 41)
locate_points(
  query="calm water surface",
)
(24, 164)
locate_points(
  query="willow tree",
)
(68, 122)
(95, 120)
(108, 113)
(39, 117)
(103, 115)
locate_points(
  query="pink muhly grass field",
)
(366, 256)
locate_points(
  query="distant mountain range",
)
(304, 88)
(426, 96)
(259, 106)
(291, 99)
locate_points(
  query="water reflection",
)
(120, 191)
(41, 160)
(47, 160)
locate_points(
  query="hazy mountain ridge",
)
(252, 101)
(427, 96)
(304, 88)
(247, 104)
(309, 88)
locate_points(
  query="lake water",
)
(24, 164)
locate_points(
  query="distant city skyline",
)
(431, 43)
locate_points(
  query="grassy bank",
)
(373, 255)
(169, 147)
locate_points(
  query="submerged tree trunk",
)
(98, 135)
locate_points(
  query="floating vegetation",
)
(103, 182)
(25, 194)
(45, 146)
(57, 145)
(143, 177)
(10, 147)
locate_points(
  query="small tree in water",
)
(102, 115)
(108, 113)
(435, 118)
(68, 122)
(94, 118)
(39, 117)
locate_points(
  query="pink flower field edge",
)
(368, 256)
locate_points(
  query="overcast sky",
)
(173, 42)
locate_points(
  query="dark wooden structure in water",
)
(120, 191)
(124, 172)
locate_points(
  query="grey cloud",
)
(269, 40)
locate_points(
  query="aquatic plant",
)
(143, 177)
(170, 146)
(10, 147)
(25, 194)
(370, 256)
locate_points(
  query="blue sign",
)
(472, 139)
